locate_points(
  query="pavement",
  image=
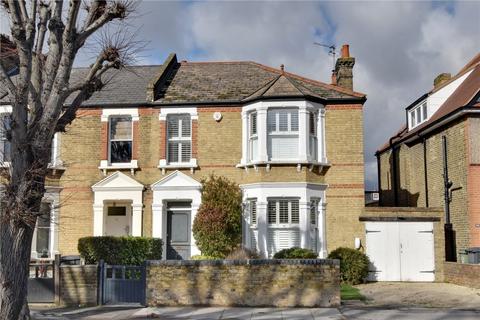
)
(352, 310)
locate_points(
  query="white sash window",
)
(179, 135)
(120, 144)
(282, 127)
(283, 224)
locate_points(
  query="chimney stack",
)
(440, 79)
(343, 69)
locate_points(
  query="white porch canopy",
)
(117, 187)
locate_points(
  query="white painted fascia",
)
(284, 185)
(107, 112)
(165, 111)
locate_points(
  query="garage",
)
(400, 251)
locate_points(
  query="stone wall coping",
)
(401, 209)
(468, 265)
(256, 262)
(79, 266)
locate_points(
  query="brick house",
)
(132, 161)
(411, 164)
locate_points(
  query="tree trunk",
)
(15, 246)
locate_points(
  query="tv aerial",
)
(331, 52)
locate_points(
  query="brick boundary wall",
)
(462, 274)
(78, 285)
(253, 283)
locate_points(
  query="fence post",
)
(101, 274)
(56, 278)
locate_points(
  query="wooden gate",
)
(122, 284)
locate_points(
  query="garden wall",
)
(78, 285)
(462, 274)
(278, 283)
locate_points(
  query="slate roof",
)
(206, 83)
(466, 95)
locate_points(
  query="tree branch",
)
(6, 78)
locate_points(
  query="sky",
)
(399, 46)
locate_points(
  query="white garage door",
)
(400, 251)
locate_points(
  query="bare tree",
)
(47, 37)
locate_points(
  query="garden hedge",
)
(295, 253)
(353, 264)
(120, 250)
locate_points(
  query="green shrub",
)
(201, 257)
(119, 250)
(217, 227)
(295, 253)
(353, 264)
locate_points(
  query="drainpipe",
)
(395, 172)
(379, 181)
(425, 168)
(450, 250)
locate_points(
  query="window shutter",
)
(295, 211)
(186, 126)
(253, 123)
(173, 151)
(272, 212)
(283, 204)
(173, 129)
(253, 212)
(294, 120)
(282, 147)
(271, 121)
(186, 151)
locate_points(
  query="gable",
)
(117, 181)
(176, 180)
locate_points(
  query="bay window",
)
(120, 139)
(179, 138)
(282, 131)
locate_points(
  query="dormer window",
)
(418, 114)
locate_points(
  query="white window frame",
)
(180, 139)
(313, 135)
(110, 140)
(252, 137)
(418, 114)
(277, 223)
(105, 164)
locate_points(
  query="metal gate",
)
(122, 284)
(41, 282)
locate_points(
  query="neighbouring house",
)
(132, 161)
(434, 159)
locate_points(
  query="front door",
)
(117, 222)
(178, 234)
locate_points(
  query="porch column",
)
(193, 243)
(98, 220)
(322, 233)
(304, 133)
(137, 209)
(262, 228)
(157, 219)
(304, 208)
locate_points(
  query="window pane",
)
(44, 219)
(253, 212)
(283, 211)
(272, 212)
(186, 151)
(282, 120)
(120, 151)
(418, 115)
(294, 120)
(43, 235)
(173, 127)
(121, 128)
(313, 124)
(117, 211)
(173, 154)
(295, 211)
(412, 119)
(313, 212)
(253, 123)
(272, 121)
(424, 111)
(186, 126)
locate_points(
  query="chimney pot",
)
(345, 51)
(282, 67)
(440, 79)
(334, 78)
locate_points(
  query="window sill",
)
(164, 165)
(299, 163)
(105, 166)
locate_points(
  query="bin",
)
(463, 256)
(473, 255)
(70, 260)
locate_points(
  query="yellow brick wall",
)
(219, 151)
(412, 177)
